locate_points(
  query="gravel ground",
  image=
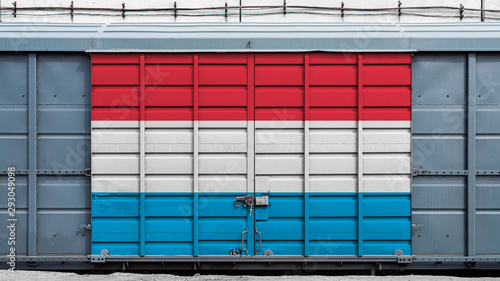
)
(60, 276)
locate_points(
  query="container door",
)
(332, 160)
(251, 154)
(171, 139)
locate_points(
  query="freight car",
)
(250, 146)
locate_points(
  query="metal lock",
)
(247, 200)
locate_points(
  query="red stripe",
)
(118, 75)
(333, 96)
(261, 114)
(333, 75)
(223, 96)
(381, 75)
(223, 58)
(169, 58)
(389, 114)
(223, 75)
(115, 96)
(272, 58)
(169, 74)
(279, 97)
(219, 86)
(169, 96)
(279, 75)
(333, 58)
(386, 96)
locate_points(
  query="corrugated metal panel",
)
(471, 37)
(255, 37)
(455, 112)
(177, 137)
(52, 200)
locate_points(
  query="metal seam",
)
(306, 155)
(360, 155)
(251, 148)
(142, 157)
(195, 156)
(32, 155)
(471, 155)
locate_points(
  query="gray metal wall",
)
(45, 135)
(455, 148)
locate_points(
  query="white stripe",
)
(212, 184)
(209, 184)
(331, 164)
(386, 183)
(169, 183)
(387, 124)
(167, 164)
(223, 124)
(169, 140)
(114, 124)
(223, 161)
(287, 184)
(333, 124)
(279, 164)
(169, 124)
(334, 183)
(393, 163)
(115, 183)
(386, 140)
(115, 164)
(276, 124)
(215, 184)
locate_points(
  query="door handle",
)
(260, 241)
(243, 241)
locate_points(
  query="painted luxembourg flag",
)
(251, 154)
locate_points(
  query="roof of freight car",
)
(244, 37)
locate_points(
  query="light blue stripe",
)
(335, 224)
